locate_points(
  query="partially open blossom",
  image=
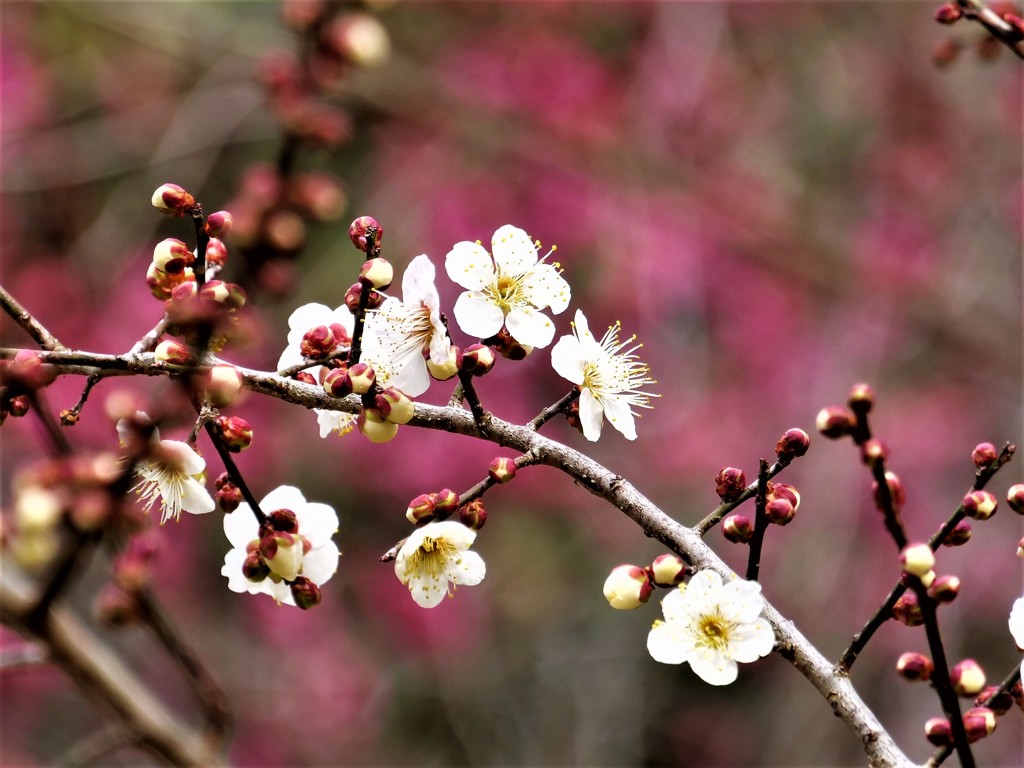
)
(169, 473)
(610, 379)
(271, 561)
(627, 587)
(511, 289)
(712, 626)
(434, 556)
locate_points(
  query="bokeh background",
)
(779, 199)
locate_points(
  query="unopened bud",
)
(18, 406)
(172, 256)
(173, 200)
(873, 452)
(358, 38)
(917, 559)
(362, 377)
(376, 430)
(229, 497)
(253, 568)
(337, 383)
(793, 444)
(394, 405)
(907, 611)
(668, 570)
(914, 667)
(939, 732)
(477, 359)
(377, 273)
(449, 368)
(979, 722)
(229, 295)
(834, 422)
(318, 342)
(508, 347)
(222, 385)
(1015, 498)
(980, 505)
(994, 698)
(282, 552)
(421, 508)
(1020, 548)
(627, 587)
(502, 469)
(861, 398)
(305, 593)
(983, 455)
(473, 514)
(944, 589)
(283, 521)
(235, 432)
(172, 351)
(897, 495)
(730, 484)
(218, 224)
(360, 228)
(446, 501)
(355, 291)
(738, 528)
(786, 491)
(960, 534)
(948, 14)
(114, 607)
(967, 678)
(946, 52)
(780, 511)
(216, 253)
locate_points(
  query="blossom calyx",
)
(730, 484)
(793, 444)
(967, 678)
(173, 200)
(627, 587)
(980, 505)
(668, 570)
(914, 667)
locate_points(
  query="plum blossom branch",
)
(1001, 29)
(723, 509)
(28, 322)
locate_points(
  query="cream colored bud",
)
(37, 510)
(627, 587)
(376, 431)
(917, 560)
(222, 385)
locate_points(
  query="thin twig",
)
(28, 322)
(554, 409)
(760, 522)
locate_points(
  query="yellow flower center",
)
(505, 292)
(713, 631)
(432, 557)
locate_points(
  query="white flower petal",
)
(334, 421)
(591, 415)
(545, 287)
(664, 645)
(283, 497)
(241, 527)
(469, 569)
(469, 265)
(418, 282)
(477, 315)
(317, 522)
(427, 591)
(620, 416)
(713, 668)
(530, 326)
(514, 251)
(1017, 622)
(195, 499)
(567, 359)
(232, 568)
(752, 641)
(320, 563)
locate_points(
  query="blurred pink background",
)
(779, 199)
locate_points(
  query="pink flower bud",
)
(627, 587)
(473, 514)
(235, 432)
(668, 570)
(980, 505)
(873, 452)
(834, 422)
(508, 347)
(172, 256)
(353, 294)
(394, 405)
(979, 722)
(896, 493)
(448, 369)
(861, 398)
(18, 406)
(218, 224)
(1015, 498)
(907, 611)
(917, 559)
(222, 385)
(283, 520)
(317, 343)
(337, 383)
(939, 732)
(944, 589)
(502, 469)
(284, 230)
(983, 455)
(228, 496)
(320, 195)
(948, 14)
(446, 501)
(171, 351)
(173, 200)
(967, 678)
(162, 284)
(914, 667)
(477, 359)
(362, 378)
(228, 295)
(305, 593)
(960, 534)
(738, 528)
(421, 508)
(216, 253)
(253, 568)
(991, 698)
(793, 444)
(780, 511)
(377, 273)
(785, 491)
(360, 228)
(730, 484)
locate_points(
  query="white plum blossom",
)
(303, 319)
(437, 554)
(316, 524)
(409, 327)
(712, 626)
(1017, 626)
(170, 472)
(608, 377)
(511, 289)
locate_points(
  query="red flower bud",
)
(473, 514)
(361, 228)
(834, 422)
(738, 528)
(793, 443)
(730, 484)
